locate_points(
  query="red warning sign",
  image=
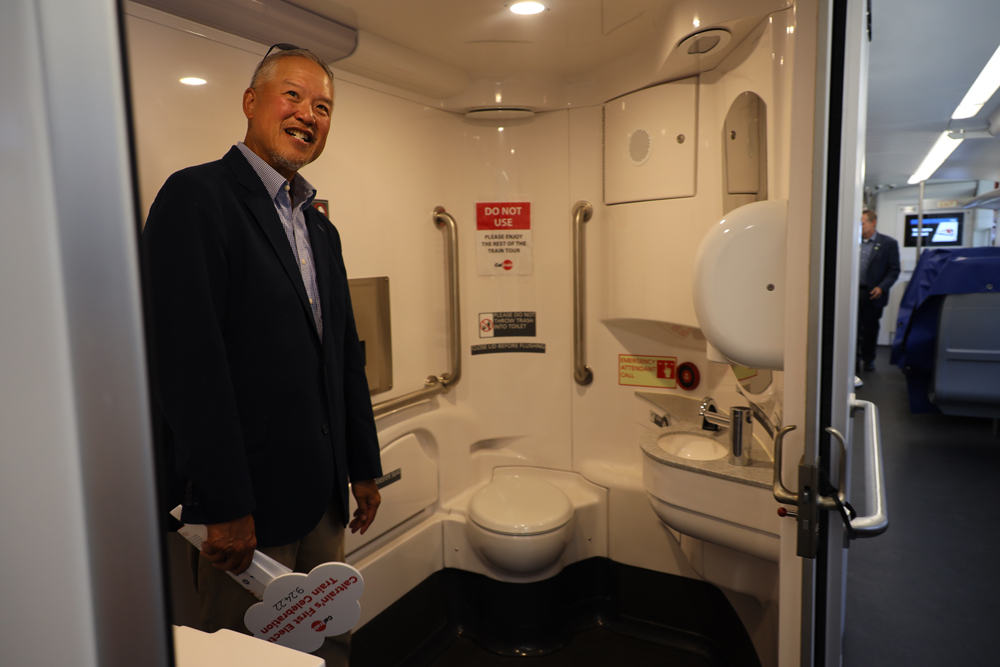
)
(507, 215)
(503, 238)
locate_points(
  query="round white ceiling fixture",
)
(527, 8)
(193, 81)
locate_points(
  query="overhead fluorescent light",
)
(939, 152)
(527, 7)
(982, 89)
(193, 81)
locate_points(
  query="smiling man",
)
(259, 379)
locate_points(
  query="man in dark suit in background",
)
(879, 271)
(259, 375)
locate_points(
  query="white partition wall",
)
(81, 575)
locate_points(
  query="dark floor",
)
(596, 646)
(595, 612)
(926, 593)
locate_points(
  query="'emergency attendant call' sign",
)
(503, 238)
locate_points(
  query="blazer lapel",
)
(262, 208)
(318, 238)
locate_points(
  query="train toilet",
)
(520, 524)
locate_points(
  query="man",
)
(879, 270)
(258, 370)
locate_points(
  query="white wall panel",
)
(76, 480)
(44, 547)
(522, 399)
(639, 265)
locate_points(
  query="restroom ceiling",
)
(482, 37)
(924, 56)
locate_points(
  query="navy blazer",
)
(883, 267)
(261, 416)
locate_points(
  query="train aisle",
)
(926, 592)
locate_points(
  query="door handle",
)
(877, 522)
(785, 496)
(860, 526)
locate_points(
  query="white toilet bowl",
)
(520, 524)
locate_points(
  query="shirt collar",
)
(273, 181)
(871, 239)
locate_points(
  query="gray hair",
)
(265, 70)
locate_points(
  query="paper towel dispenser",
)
(370, 300)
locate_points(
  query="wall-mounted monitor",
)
(939, 229)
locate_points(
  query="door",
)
(823, 526)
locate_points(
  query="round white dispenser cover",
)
(520, 506)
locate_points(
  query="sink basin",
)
(692, 447)
(695, 491)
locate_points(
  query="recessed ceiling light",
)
(193, 81)
(527, 7)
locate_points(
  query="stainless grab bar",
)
(434, 384)
(877, 523)
(582, 212)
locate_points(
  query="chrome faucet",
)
(760, 413)
(740, 424)
(711, 418)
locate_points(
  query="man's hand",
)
(875, 293)
(230, 545)
(368, 497)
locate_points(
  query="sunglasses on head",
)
(283, 46)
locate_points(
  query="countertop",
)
(684, 418)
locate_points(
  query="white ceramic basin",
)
(737, 516)
(692, 447)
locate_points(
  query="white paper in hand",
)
(299, 611)
(262, 571)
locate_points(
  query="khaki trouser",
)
(223, 602)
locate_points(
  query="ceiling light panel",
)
(942, 148)
(982, 89)
(525, 8)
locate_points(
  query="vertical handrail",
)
(435, 384)
(582, 212)
(444, 220)
(920, 223)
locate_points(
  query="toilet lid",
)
(520, 506)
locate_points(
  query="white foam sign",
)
(300, 611)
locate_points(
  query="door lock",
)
(810, 499)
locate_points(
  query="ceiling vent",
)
(706, 41)
(266, 22)
(499, 113)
